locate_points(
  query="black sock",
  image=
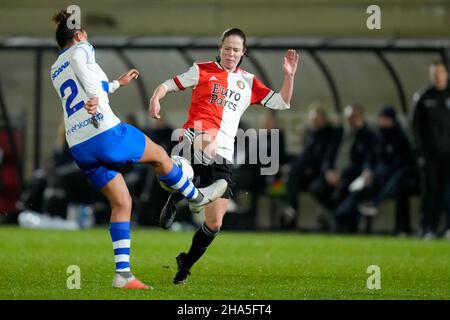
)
(177, 197)
(200, 242)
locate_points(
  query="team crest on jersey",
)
(240, 84)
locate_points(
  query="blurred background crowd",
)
(362, 150)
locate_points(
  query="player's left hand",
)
(290, 62)
(125, 78)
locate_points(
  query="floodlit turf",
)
(237, 266)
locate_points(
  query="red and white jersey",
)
(219, 98)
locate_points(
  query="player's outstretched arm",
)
(127, 77)
(154, 105)
(188, 79)
(123, 80)
(290, 63)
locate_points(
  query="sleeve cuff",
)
(275, 101)
(178, 83)
(171, 85)
(113, 86)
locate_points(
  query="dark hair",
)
(320, 110)
(388, 112)
(436, 63)
(63, 35)
(234, 32)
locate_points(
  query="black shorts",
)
(206, 174)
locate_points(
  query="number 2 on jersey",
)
(73, 93)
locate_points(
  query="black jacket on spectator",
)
(431, 121)
(431, 127)
(362, 156)
(394, 149)
(391, 170)
(362, 153)
(395, 155)
(317, 144)
(307, 167)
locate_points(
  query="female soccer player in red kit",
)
(221, 93)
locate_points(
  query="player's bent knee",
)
(124, 202)
(214, 226)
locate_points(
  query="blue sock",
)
(177, 180)
(120, 235)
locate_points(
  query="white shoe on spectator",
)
(447, 234)
(368, 210)
(357, 184)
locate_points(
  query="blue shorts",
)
(101, 156)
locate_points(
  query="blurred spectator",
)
(309, 164)
(392, 173)
(161, 133)
(271, 123)
(431, 128)
(248, 175)
(351, 156)
(272, 183)
(32, 198)
(10, 183)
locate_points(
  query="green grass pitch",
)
(236, 266)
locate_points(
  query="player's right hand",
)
(91, 105)
(154, 108)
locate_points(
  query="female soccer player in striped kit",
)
(100, 143)
(221, 93)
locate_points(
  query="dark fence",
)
(313, 47)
